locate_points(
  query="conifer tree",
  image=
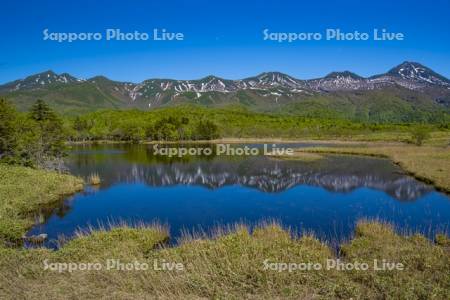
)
(8, 129)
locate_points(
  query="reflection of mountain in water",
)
(337, 174)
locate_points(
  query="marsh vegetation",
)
(228, 263)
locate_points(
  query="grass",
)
(300, 156)
(94, 179)
(430, 164)
(25, 194)
(437, 138)
(230, 266)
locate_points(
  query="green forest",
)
(190, 122)
(38, 137)
(35, 138)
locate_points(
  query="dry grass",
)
(230, 266)
(300, 156)
(427, 163)
(94, 179)
(437, 137)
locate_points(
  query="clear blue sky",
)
(223, 38)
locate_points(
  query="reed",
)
(94, 179)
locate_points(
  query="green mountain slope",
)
(409, 92)
(394, 105)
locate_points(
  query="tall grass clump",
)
(94, 179)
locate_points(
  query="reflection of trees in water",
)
(336, 174)
(60, 208)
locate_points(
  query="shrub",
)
(419, 134)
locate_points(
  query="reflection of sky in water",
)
(325, 196)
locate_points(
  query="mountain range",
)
(409, 86)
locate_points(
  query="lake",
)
(326, 196)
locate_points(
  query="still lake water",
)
(326, 196)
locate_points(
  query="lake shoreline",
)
(268, 259)
(230, 141)
(21, 203)
(430, 165)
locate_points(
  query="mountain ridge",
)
(264, 91)
(392, 71)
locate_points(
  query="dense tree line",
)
(137, 126)
(199, 123)
(33, 139)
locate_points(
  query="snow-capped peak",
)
(416, 72)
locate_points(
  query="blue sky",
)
(223, 38)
